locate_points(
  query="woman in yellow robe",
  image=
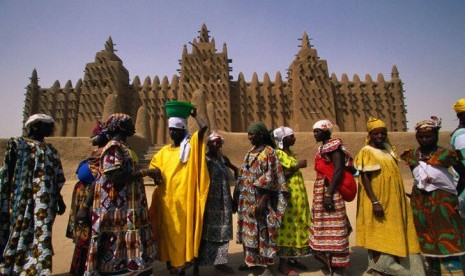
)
(178, 202)
(384, 216)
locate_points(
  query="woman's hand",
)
(83, 215)
(155, 174)
(262, 207)
(194, 112)
(328, 203)
(61, 206)
(378, 210)
(302, 164)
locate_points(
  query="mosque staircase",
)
(144, 161)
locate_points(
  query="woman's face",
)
(289, 140)
(215, 145)
(427, 138)
(378, 137)
(129, 128)
(321, 135)
(461, 117)
(43, 129)
(255, 139)
(99, 140)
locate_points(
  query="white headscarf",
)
(323, 125)
(280, 133)
(177, 122)
(39, 118)
(185, 146)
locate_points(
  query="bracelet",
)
(84, 205)
(328, 195)
(374, 203)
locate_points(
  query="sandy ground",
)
(64, 247)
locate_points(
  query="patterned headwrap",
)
(280, 133)
(374, 123)
(459, 106)
(257, 127)
(99, 128)
(116, 120)
(214, 136)
(325, 125)
(431, 124)
(260, 128)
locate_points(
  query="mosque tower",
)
(207, 71)
(311, 88)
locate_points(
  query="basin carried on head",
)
(178, 109)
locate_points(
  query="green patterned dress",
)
(293, 233)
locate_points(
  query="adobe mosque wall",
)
(307, 94)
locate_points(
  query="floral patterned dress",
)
(121, 232)
(260, 172)
(29, 188)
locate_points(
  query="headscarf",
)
(116, 120)
(280, 133)
(38, 118)
(325, 125)
(459, 106)
(214, 136)
(99, 128)
(374, 123)
(431, 124)
(185, 146)
(260, 128)
(177, 122)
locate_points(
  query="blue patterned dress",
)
(30, 182)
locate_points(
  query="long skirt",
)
(213, 253)
(437, 222)
(80, 233)
(394, 265)
(329, 231)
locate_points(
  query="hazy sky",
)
(425, 39)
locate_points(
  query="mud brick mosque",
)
(307, 94)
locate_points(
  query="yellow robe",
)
(178, 203)
(395, 234)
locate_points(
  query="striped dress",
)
(329, 231)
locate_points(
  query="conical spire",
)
(305, 41)
(109, 46)
(395, 72)
(34, 79)
(203, 34)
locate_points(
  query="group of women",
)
(111, 225)
(423, 235)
